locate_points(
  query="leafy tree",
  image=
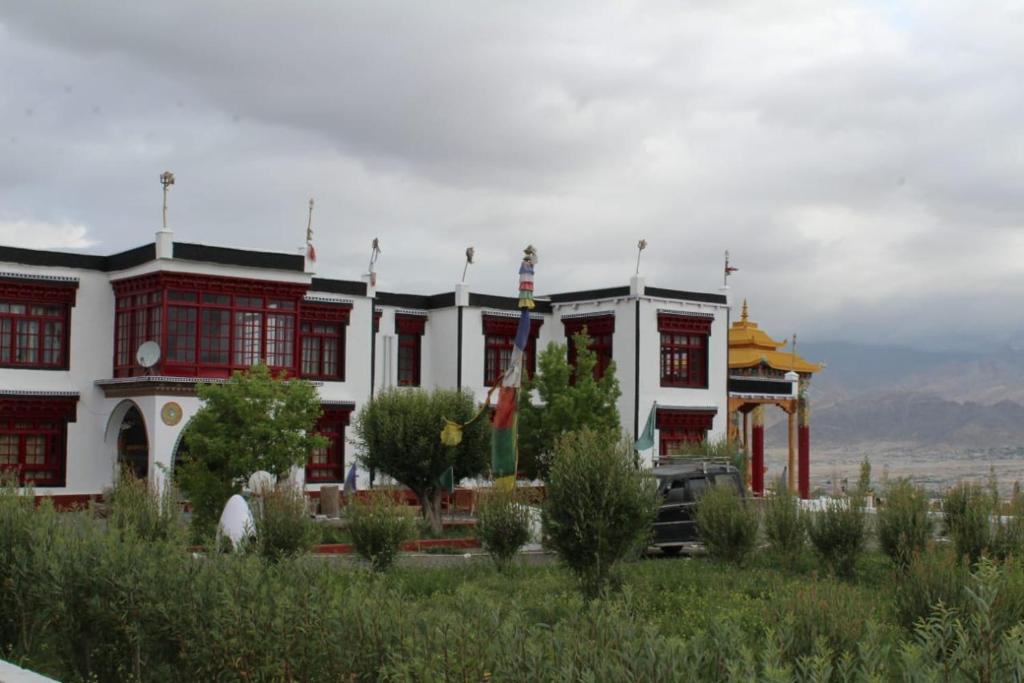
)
(399, 434)
(564, 406)
(252, 422)
(600, 508)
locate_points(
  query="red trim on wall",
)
(38, 291)
(757, 459)
(71, 501)
(39, 407)
(210, 283)
(684, 418)
(410, 324)
(804, 460)
(596, 325)
(506, 326)
(687, 324)
(328, 313)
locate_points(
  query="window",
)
(499, 342)
(684, 356)
(409, 329)
(327, 464)
(322, 340)
(206, 326)
(680, 430)
(33, 434)
(34, 324)
(600, 329)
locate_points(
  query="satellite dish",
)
(148, 354)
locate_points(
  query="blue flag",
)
(350, 480)
(646, 439)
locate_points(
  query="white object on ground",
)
(262, 482)
(236, 521)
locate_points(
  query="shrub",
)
(838, 533)
(933, 576)
(283, 525)
(967, 511)
(1008, 535)
(503, 524)
(727, 525)
(904, 527)
(600, 507)
(784, 525)
(136, 507)
(378, 525)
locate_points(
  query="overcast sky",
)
(862, 161)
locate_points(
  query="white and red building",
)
(75, 405)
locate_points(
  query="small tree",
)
(600, 508)
(503, 524)
(379, 524)
(903, 523)
(252, 422)
(838, 533)
(399, 434)
(570, 399)
(727, 524)
(784, 524)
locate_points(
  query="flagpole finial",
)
(729, 270)
(526, 278)
(470, 251)
(166, 179)
(640, 246)
(309, 222)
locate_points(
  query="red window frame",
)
(601, 330)
(35, 324)
(207, 326)
(33, 438)
(684, 350)
(327, 465)
(499, 341)
(322, 341)
(679, 427)
(409, 329)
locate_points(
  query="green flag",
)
(646, 439)
(447, 480)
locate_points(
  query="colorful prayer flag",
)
(503, 434)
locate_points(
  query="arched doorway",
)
(133, 444)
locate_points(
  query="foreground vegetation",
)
(86, 599)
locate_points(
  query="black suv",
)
(681, 487)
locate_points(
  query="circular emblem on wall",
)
(170, 413)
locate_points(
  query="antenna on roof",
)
(374, 255)
(640, 246)
(310, 250)
(166, 179)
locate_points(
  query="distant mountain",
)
(916, 398)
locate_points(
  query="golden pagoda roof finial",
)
(743, 315)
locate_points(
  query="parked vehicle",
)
(682, 486)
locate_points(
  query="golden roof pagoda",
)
(750, 347)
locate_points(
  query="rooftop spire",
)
(743, 314)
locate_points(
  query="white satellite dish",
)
(148, 354)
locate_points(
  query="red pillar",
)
(804, 448)
(757, 452)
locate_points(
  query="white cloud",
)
(31, 234)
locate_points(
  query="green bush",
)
(600, 508)
(379, 525)
(1008, 534)
(838, 533)
(933, 576)
(784, 524)
(727, 525)
(283, 525)
(967, 512)
(136, 507)
(904, 527)
(502, 524)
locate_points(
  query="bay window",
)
(322, 340)
(684, 350)
(33, 438)
(35, 324)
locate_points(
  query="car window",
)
(676, 492)
(697, 487)
(725, 480)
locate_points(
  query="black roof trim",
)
(588, 294)
(685, 296)
(505, 303)
(351, 287)
(427, 302)
(62, 259)
(239, 257)
(131, 258)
